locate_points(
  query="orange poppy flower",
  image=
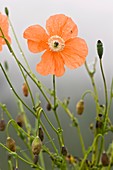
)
(4, 26)
(60, 44)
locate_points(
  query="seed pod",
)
(20, 120)
(80, 107)
(105, 159)
(48, 107)
(2, 125)
(64, 151)
(10, 143)
(41, 134)
(36, 145)
(25, 89)
(99, 48)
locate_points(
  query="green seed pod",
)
(36, 145)
(2, 125)
(10, 143)
(80, 107)
(99, 48)
(105, 159)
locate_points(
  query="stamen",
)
(56, 43)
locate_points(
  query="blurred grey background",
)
(94, 21)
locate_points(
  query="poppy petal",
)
(75, 52)
(51, 63)
(37, 38)
(4, 26)
(61, 25)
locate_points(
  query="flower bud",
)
(20, 120)
(99, 48)
(48, 107)
(105, 159)
(6, 65)
(2, 125)
(80, 107)
(35, 160)
(99, 124)
(41, 134)
(36, 145)
(6, 11)
(64, 151)
(10, 143)
(25, 89)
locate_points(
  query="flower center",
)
(56, 43)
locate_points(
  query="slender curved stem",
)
(15, 91)
(61, 141)
(19, 45)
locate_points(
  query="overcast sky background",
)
(94, 19)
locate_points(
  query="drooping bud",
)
(41, 134)
(64, 151)
(36, 145)
(10, 143)
(20, 120)
(99, 48)
(105, 159)
(80, 107)
(48, 107)
(25, 89)
(2, 125)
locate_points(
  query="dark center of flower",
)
(56, 44)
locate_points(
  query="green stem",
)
(49, 122)
(88, 151)
(106, 94)
(18, 156)
(42, 160)
(75, 122)
(49, 137)
(60, 135)
(19, 45)
(14, 90)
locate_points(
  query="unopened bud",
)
(35, 160)
(10, 143)
(6, 65)
(36, 145)
(2, 125)
(105, 159)
(80, 107)
(20, 120)
(6, 11)
(99, 124)
(48, 107)
(41, 134)
(25, 89)
(99, 48)
(64, 151)
(91, 126)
